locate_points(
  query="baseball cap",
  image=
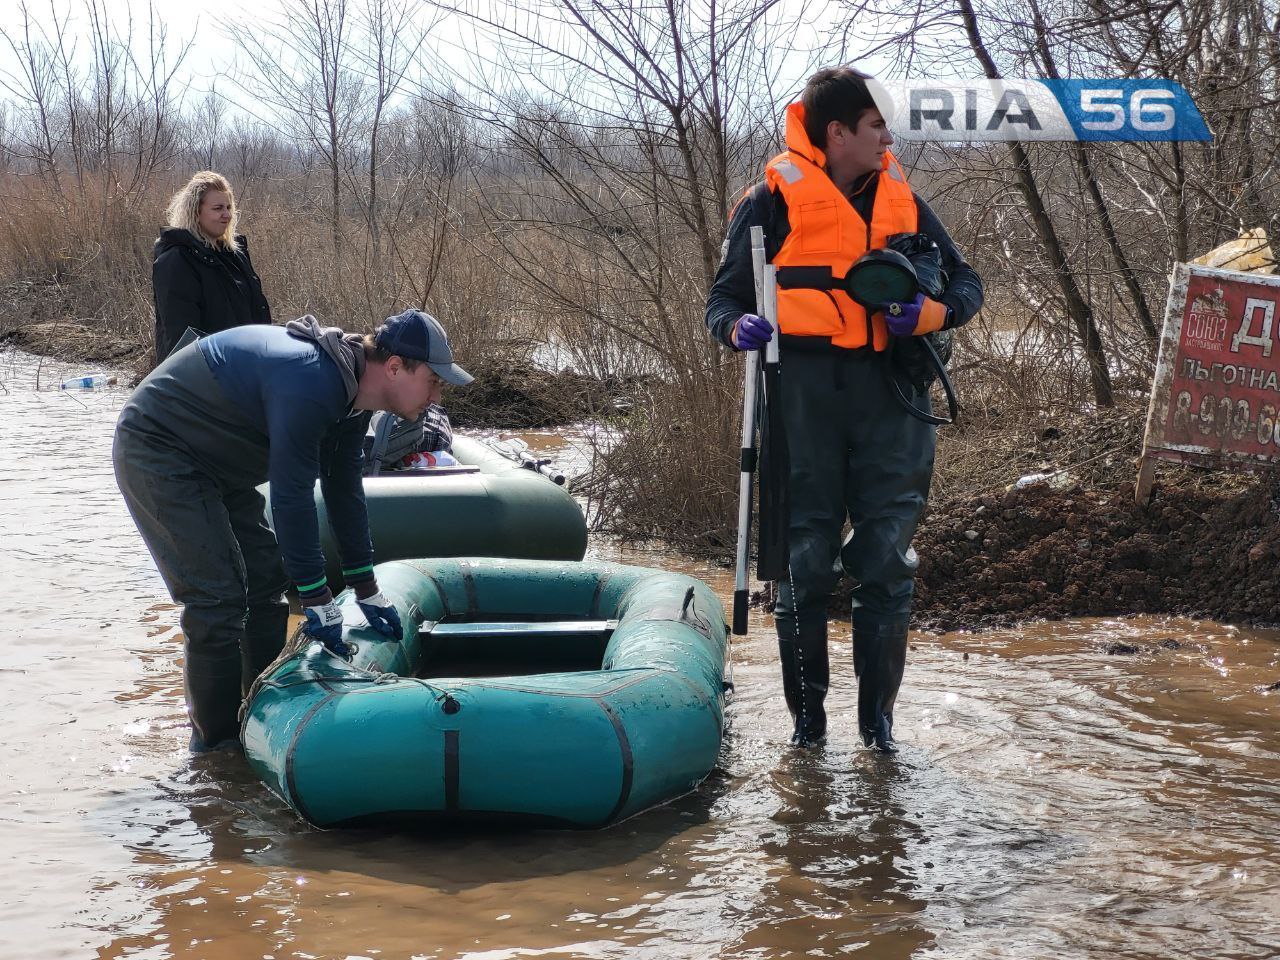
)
(419, 336)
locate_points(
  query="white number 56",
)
(1148, 109)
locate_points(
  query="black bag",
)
(910, 355)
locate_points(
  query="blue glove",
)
(751, 332)
(324, 623)
(922, 313)
(382, 616)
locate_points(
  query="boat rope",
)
(297, 643)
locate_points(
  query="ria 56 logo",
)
(1041, 110)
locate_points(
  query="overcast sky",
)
(212, 53)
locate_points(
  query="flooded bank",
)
(1053, 799)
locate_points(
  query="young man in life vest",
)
(855, 451)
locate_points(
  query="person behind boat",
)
(202, 276)
(265, 403)
(435, 449)
(833, 194)
(394, 444)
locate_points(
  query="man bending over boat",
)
(221, 416)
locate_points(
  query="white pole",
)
(766, 303)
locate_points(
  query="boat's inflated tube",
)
(488, 507)
(559, 694)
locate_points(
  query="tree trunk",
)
(1077, 307)
(1081, 154)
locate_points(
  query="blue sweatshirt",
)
(296, 426)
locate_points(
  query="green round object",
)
(880, 277)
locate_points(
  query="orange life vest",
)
(826, 232)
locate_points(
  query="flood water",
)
(1050, 800)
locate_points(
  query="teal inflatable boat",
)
(546, 693)
(489, 506)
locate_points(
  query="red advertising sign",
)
(1216, 395)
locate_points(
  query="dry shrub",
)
(672, 474)
(1017, 374)
(83, 263)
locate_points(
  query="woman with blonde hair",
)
(202, 275)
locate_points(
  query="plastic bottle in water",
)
(88, 382)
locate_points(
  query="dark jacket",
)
(734, 290)
(200, 286)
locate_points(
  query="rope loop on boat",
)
(301, 639)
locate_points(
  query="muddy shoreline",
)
(1060, 535)
(1043, 554)
(1053, 532)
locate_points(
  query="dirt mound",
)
(1074, 542)
(71, 342)
(508, 396)
(1044, 553)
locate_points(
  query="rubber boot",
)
(265, 632)
(879, 659)
(790, 678)
(213, 700)
(806, 674)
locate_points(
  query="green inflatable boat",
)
(544, 693)
(489, 506)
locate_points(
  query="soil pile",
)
(1074, 543)
(1044, 553)
(505, 395)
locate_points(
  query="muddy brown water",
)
(1051, 800)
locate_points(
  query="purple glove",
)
(903, 318)
(751, 332)
(921, 315)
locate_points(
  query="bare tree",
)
(1081, 153)
(1078, 307)
(1226, 53)
(392, 34)
(302, 68)
(207, 132)
(630, 130)
(32, 81)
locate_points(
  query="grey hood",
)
(344, 349)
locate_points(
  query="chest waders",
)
(855, 453)
(176, 443)
(859, 446)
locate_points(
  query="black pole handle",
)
(740, 601)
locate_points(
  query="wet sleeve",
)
(296, 425)
(963, 294)
(342, 484)
(733, 292)
(178, 299)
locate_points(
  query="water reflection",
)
(845, 880)
(1052, 799)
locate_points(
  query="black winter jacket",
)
(200, 286)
